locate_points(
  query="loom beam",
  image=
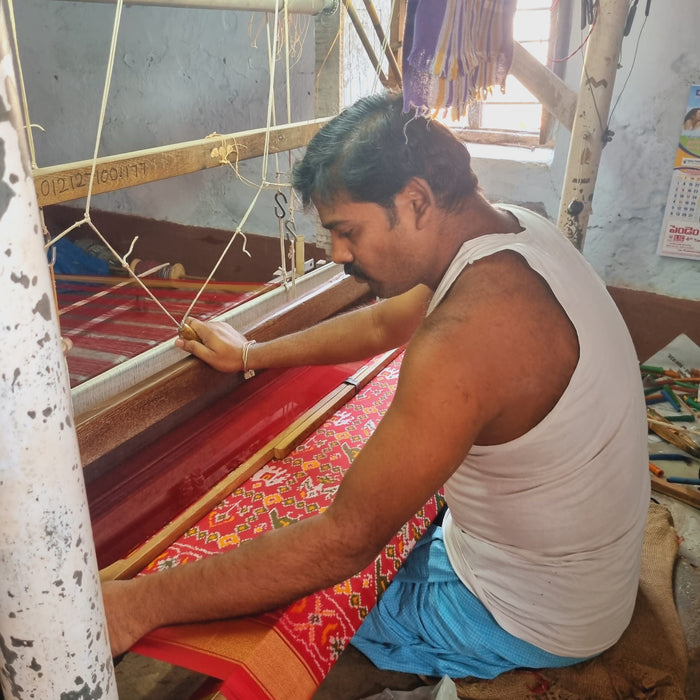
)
(70, 181)
(304, 7)
(122, 420)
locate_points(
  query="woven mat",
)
(649, 661)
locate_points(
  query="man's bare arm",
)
(356, 335)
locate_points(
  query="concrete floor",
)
(140, 678)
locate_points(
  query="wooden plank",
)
(306, 7)
(295, 434)
(69, 181)
(304, 426)
(183, 388)
(188, 284)
(556, 96)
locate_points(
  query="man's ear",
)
(419, 197)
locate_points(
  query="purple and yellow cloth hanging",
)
(455, 52)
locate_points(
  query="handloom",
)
(106, 331)
(286, 653)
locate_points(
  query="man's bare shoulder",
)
(501, 332)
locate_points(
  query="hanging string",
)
(86, 218)
(273, 44)
(384, 44)
(263, 178)
(103, 106)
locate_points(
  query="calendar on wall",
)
(680, 231)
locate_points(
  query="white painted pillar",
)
(53, 639)
(590, 122)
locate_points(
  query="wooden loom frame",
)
(120, 414)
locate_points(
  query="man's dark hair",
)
(372, 149)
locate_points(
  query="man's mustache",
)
(355, 271)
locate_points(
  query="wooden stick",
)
(365, 42)
(687, 494)
(295, 434)
(672, 434)
(305, 425)
(156, 282)
(393, 65)
(63, 183)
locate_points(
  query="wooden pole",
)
(52, 629)
(590, 133)
(355, 18)
(394, 69)
(554, 94)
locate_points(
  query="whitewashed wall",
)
(182, 74)
(635, 171)
(179, 74)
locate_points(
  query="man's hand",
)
(221, 346)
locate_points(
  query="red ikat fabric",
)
(285, 654)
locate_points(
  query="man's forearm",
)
(344, 338)
(356, 335)
(267, 572)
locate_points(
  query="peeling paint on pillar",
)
(589, 132)
(53, 638)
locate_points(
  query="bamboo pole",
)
(52, 627)
(589, 133)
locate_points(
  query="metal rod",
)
(52, 625)
(304, 7)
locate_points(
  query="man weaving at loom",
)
(519, 393)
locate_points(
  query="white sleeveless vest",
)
(546, 530)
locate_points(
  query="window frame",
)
(558, 41)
